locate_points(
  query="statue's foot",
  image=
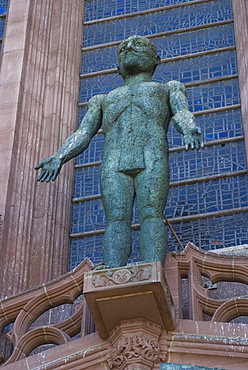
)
(148, 261)
(138, 263)
(102, 267)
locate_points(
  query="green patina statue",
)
(134, 120)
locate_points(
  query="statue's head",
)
(137, 54)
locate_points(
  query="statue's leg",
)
(117, 194)
(151, 188)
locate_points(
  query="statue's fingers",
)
(198, 131)
(50, 175)
(38, 166)
(191, 144)
(43, 176)
(55, 174)
(197, 144)
(40, 176)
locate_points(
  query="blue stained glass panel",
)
(98, 85)
(94, 152)
(153, 23)
(87, 182)
(92, 248)
(185, 70)
(86, 247)
(97, 9)
(195, 41)
(81, 113)
(212, 233)
(198, 69)
(213, 95)
(98, 60)
(2, 24)
(3, 11)
(215, 126)
(211, 196)
(212, 160)
(88, 216)
(3, 6)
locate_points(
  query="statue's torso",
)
(129, 107)
(135, 122)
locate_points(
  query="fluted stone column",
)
(38, 104)
(240, 10)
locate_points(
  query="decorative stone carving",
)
(121, 276)
(135, 344)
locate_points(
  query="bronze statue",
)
(134, 119)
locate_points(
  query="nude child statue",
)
(134, 119)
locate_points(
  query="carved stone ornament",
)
(121, 276)
(135, 344)
(135, 347)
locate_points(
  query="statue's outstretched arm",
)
(75, 144)
(184, 120)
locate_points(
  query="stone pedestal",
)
(131, 306)
(129, 293)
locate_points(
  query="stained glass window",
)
(154, 23)
(208, 195)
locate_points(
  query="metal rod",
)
(173, 231)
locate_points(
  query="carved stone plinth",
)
(129, 293)
(135, 345)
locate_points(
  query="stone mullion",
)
(70, 92)
(240, 10)
(38, 93)
(42, 246)
(18, 235)
(14, 263)
(65, 86)
(57, 196)
(33, 104)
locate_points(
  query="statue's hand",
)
(185, 123)
(193, 139)
(51, 167)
